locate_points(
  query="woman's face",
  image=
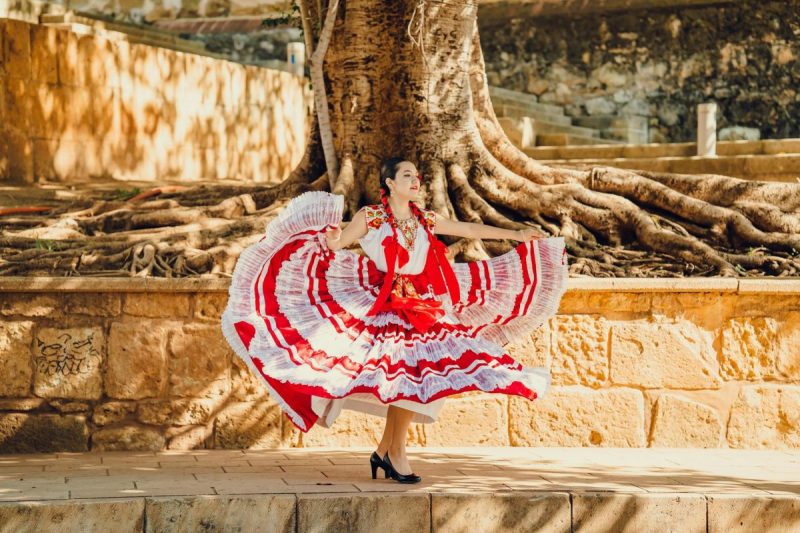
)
(406, 181)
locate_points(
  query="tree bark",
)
(407, 78)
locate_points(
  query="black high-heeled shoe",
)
(397, 476)
(375, 462)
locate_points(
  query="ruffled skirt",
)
(297, 315)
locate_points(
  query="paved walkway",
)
(675, 484)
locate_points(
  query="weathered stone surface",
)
(657, 354)
(788, 350)
(15, 358)
(535, 350)
(730, 513)
(580, 353)
(75, 515)
(23, 404)
(481, 421)
(765, 416)
(517, 511)
(583, 302)
(30, 305)
(356, 513)
(28, 433)
(254, 425)
(577, 416)
(708, 310)
(353, 428)
(127, 438)
(189, 437)
(137, 359)
(69, 362)
(683, 423)
(177, 412)
(101, 304)
(156, 305)
(245, 385)
(266, 512)
(606, 511)
(111, 412)
(748, 348)
(65, 406)
(210, 305)
(200, 362)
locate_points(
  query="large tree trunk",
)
(407, 78)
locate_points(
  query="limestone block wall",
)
(141, 364)
(81, 107)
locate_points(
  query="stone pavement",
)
(464, 489)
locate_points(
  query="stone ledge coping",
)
(715, 284)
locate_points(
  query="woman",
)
(395, 332)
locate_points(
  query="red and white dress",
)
(338, 330)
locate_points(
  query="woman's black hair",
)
(389, 170)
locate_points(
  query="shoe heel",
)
(375, 471)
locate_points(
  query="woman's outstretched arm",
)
(470, 230)
(338, 238)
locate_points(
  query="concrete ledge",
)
(216, 285)
(463, 489)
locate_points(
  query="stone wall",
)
(82, 107)
(141, 364)
(658, 64)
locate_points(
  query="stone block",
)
(68, 61)
(270, 513)
(663, 355)
(481, 421)
(177, 412)
(134, 438)
(155, 305)
(683, 423)
(16, 156)
(534, 351)
(18, 49)
(200, 362)
(76, 515)
(44, 54)
(245, 385)
(28, 433)
(580, 353)
(18, 108)
(189, 437)
(22, 404)
(623, 513)
(210, 305)
(100, 304)
(732, 513)
(748, 348)
(578, 416)
(708, 310)
(788, 349)
(357, 513)
(499, 512)
(30, 305)
(255, 425)
(111, 412)
(66, 406)
(765, 416)
(68, 363)
(16, 339)
(137, 359)
(605, 303)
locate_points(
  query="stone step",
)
(514, 111)
(780, 167)
(463, 489)
(601, 122)
(611, 151)
(524, 100)
(543, 127)
(564, 139)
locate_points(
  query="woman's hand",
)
(527, 234)
(333, 237)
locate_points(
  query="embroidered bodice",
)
(378, 228)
